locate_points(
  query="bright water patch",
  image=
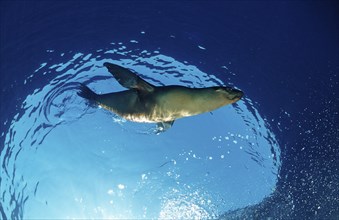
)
(65, 159)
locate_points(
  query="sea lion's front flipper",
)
(164, 126)
(128, 79)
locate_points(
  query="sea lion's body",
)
(143, 102)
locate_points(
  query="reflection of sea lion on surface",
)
(143, 102)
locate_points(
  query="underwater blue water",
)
(274, 154)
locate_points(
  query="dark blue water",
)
(274, 154)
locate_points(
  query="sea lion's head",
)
(229, 93)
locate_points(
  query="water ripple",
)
(62, 151)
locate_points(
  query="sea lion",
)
(144, 102)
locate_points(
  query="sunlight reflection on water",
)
(66, 159)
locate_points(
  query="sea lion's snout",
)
(230, 93)
(237, 94)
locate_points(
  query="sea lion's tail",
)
(87, 93)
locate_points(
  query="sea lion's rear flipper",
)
(128, 79)
(164, 126)
(87, 93)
